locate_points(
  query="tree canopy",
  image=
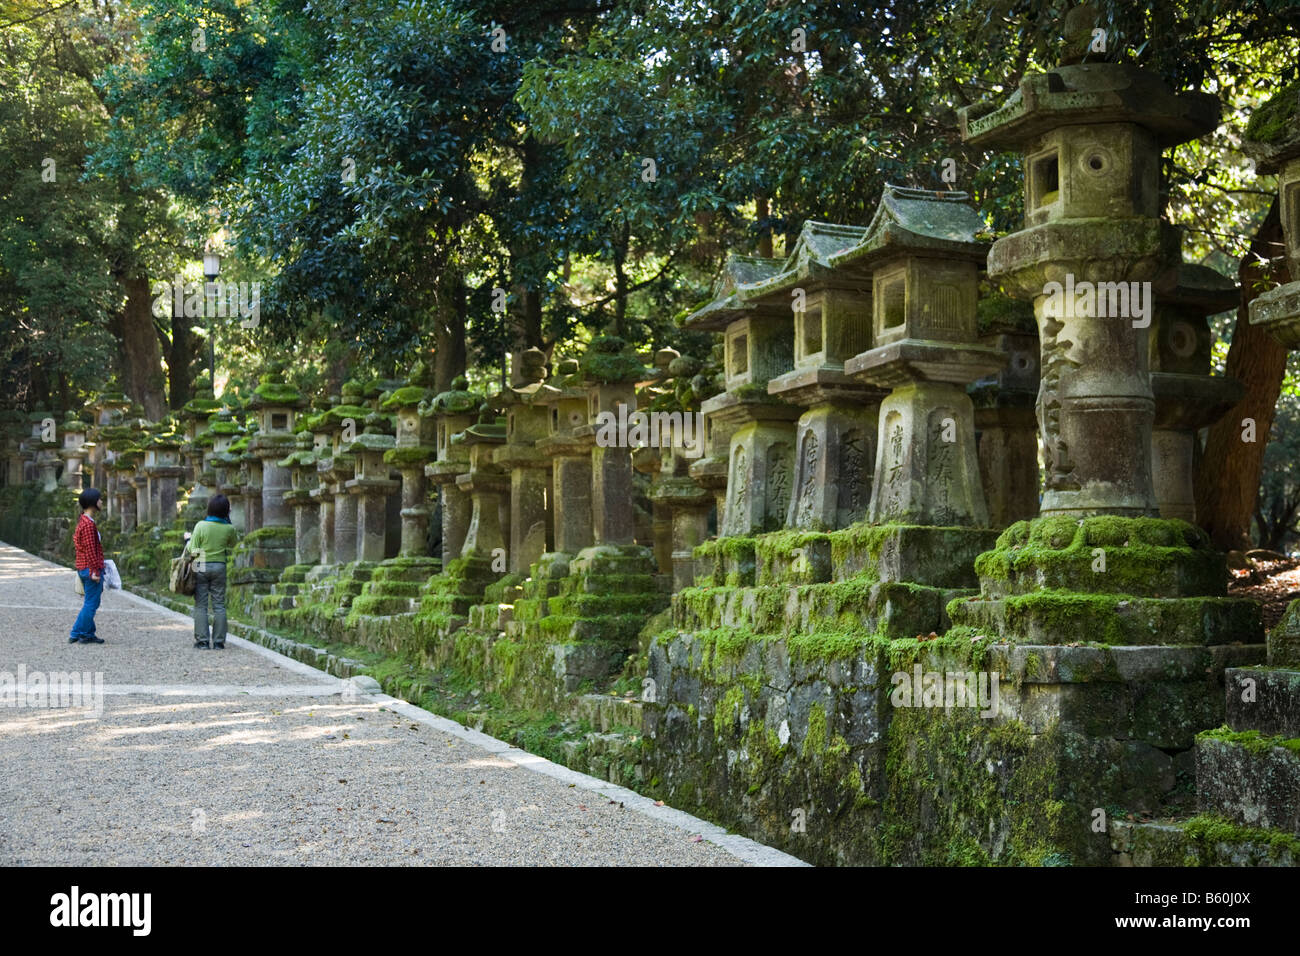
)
(454, 179)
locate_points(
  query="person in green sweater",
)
(211, 542)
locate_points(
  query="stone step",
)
(1250, 778)
(937, 557)
(894, 609)
(1266, 699)
(1061, 617)
(1201, 841)
(612, 757)
(607, 711)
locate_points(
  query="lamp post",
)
(211, 269)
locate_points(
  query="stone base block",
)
(1266, 699)
(1064, 617)
(1252, 779)
(1149, 557)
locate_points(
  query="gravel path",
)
(243, 757)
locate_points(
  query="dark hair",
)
(89, 498)
(219, 507)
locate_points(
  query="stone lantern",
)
(565, 402)
(758, 346)
(371, 486)
(924, 256)
(486, 484)
(45, 451)
(123, 469)
(1093, 246)
(73, 452)
(414, 449)
(686, 501)
(1006, 428)
(527, 422)
(276, 405)
(452, 412)
(301, 465)
(250, 480)
(40, 425)
(1097, 582)
(610, 374)
(336, 468)
(231, 471)
(1187, 397)
(835, 437)
(162, 469)
(195, 415)
(1273, 137)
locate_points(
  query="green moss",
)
(814, 742)
(1271, 122)
(1153, 557)
(406, 397)
(727, 713)
(998, 312)
(277, 393)
(1209, 831)
(1252, 741)
(410, 455)
(964, 791)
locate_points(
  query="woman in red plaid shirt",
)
(90, 568)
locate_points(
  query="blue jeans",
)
(85, 625)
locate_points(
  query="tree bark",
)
(449, 333)
(141, 359)
(1227, 482)
(179, 357)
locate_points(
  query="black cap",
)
(88, 498)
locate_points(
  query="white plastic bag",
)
(112, 580)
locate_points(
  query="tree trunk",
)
(762, 210)
(449, 334)
(1227, 483)
(141, 359)
(180, 355)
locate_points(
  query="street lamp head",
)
(211, 265)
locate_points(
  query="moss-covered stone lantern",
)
(451, 412)
(1273, 137)
(835, 438)
(924, 255)
(759, 346)
(1187, 397)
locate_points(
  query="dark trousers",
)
(210, 583)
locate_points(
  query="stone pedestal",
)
(527, 422)
(73, 453)
(452, 413)
(140, 483)
(301, 466)
(486, 484)
(1006, 428)
(370, 490)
